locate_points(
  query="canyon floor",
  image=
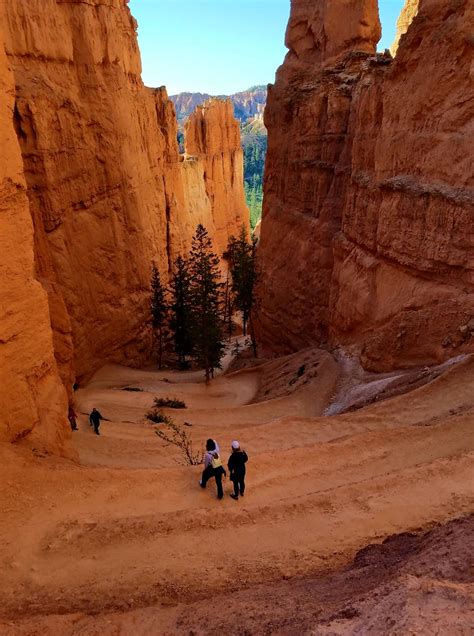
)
(358, 515)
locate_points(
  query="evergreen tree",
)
(255, 148)
(181, 311)
(159, 309)
(206, 294)
(242, 264)
(228, 304)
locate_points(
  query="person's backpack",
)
(216, 461)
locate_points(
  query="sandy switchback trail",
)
(129, 535)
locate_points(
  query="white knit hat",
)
(235, 445)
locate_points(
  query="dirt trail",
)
(130, 531)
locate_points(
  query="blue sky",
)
(220, 46)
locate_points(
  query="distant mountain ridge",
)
(248, 104)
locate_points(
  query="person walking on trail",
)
(94, 419)
(236, 466)
(72, 417)
(213, 467)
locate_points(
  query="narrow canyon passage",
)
(130, 530)
(357, 410)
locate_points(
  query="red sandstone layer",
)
(108, 192)
(367, 235)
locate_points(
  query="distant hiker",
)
(236, 466)
(72, 417)
(213, 467)
(94, 419)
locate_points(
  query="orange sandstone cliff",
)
(367, 237)
(33, 401)
(212, 134)
(107, 190)
(107, 187)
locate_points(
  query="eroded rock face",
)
(367, 236)
(94, 190)
(320, 33)
(407, 15)
(308, 166)
(33, 401)
(92, 152)
(108, 190)
(213, 136)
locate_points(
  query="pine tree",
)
(206, 294)
(159, 309)
(181, 311)
(242, 264)
(228, 304)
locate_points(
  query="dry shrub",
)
(173, 434)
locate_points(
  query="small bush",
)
(157, 417)
(170, 403)
(133, 389)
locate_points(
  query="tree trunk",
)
(230, 319)
(252, 335)
(160, 347)
(226, 300)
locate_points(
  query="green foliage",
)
(254, 200)
(254, 142)
(159, 309)
(171, 403)
(196, 304)
(206, 295)
(157, 417)
(159, 306)
(241, 257)
(181, 141)
(181, 319)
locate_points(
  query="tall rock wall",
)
(108, 190)
(308, 167)
(368, 230)
(96, 189)
(33, 401)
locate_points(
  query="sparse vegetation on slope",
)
(175, 435)
(170, 403)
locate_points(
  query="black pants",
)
(210, 472)
(96, 427)
(239, 484)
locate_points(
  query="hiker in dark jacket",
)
(94, 419)
(213, 467)
(72, 417)
(236, 466)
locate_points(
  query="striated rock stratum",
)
(95, 190)
(409, 11)
(367, 237)
(213, 137)
(32, 398)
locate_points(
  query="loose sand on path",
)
(126, 541)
